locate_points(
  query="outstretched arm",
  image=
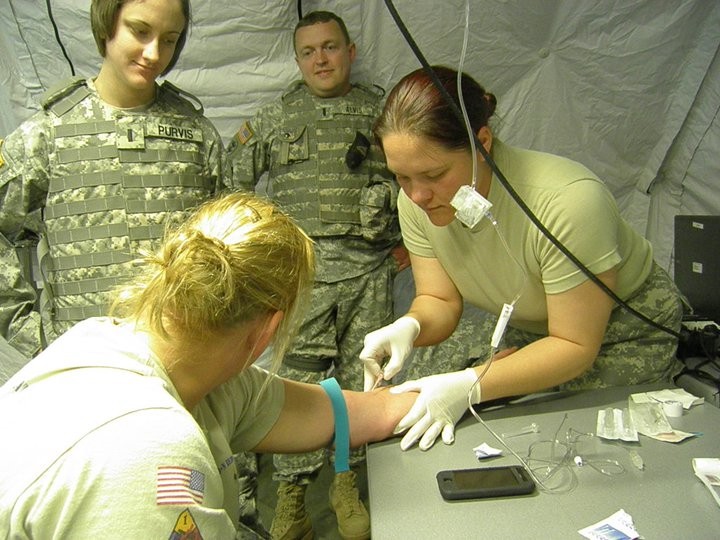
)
(307, 421)
(577, 322)
(437, 305)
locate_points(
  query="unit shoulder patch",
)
(2, 159)
(185, 528)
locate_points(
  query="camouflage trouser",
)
(249, 520)
(329, 344)
(632, 352)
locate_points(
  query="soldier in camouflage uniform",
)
(314, 144)
(98, 173)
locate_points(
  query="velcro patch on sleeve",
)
(179, 485)
(245, 133)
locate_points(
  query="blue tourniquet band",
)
(342, 424)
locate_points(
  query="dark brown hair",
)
(417, 107)
(103, 21)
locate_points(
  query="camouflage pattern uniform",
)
(96, 185)
(301, 141)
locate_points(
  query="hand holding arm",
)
(442, 402)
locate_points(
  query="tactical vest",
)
(308, 175)
(117, 178)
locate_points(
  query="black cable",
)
(456, 110)
(57, 37)
(299, 9)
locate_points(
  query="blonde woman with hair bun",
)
(129, 423)
(237, 263)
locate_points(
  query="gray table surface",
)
(665, 500)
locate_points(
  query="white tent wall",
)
(631, 88)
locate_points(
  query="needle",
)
(377, 381)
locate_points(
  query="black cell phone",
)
(484, 482)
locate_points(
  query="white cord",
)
(471, 135)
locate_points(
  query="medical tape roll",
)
(672, 409)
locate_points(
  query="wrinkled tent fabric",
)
(629, 88)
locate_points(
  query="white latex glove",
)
(394, 340)
(442, 402)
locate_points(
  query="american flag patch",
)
(245, 133)
(179, 485)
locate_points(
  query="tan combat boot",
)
(352, 517)
(291, 521)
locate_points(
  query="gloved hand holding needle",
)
(443, 398)
(394, 341)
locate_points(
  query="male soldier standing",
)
(323, 171)
(99, 171)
